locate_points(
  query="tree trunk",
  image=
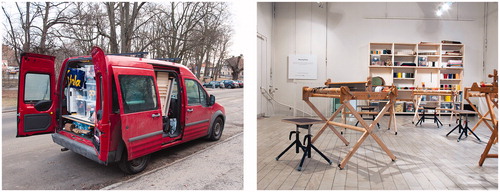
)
(113, 41)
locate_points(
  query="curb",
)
(9, 110)
(115, 185)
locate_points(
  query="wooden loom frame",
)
(345, 95)
(417, 99)
(491, 92)
(482, 117)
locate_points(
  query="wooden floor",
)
(426, 159)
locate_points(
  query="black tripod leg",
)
(290, 146)
(322, 155)
(473, 133)
(302, 161)
(461, 134)
(453, 130)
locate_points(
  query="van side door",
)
(140, 111)
(36, 103)
(197, 114)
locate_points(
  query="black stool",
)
(434, 116)
(460, 127)
(369, 109)
(304, 123)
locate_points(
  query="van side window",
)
(36, 87)
(195, 94)
(138, 93)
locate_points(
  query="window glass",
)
(175, 90)
(36, 87)
(195, 94)
(138, 93)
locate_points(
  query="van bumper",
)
(77, 147)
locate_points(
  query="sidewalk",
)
(217, 168)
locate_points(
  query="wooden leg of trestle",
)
(353, 150)
(494, 134)
(383, 146)
(322, 117)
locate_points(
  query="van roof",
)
(116, 60)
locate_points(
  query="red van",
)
(112, 108)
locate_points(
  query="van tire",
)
(135, 165)
(217, 129)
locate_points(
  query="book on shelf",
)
(409, 107)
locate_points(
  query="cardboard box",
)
(69, 126)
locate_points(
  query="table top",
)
(464, 112)
(303, 121)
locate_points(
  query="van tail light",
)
(96, 140)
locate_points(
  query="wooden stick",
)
(383, 146)
(347, 126)
(353, 150)
(322, 117)
(493, 136)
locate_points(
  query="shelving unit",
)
(415, 65)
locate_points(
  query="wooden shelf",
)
(402, 55)
(452, 68)
(430, 76)
(381, 54)
(450, 56)
(78, 118)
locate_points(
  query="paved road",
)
(37, 163)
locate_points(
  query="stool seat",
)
(303, 121)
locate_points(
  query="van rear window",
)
(36, 87)
(138, 93)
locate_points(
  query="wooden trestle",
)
(491, 94)
(345, 95)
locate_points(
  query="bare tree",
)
(236, 65)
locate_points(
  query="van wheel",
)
(217, 128)
(135, 165)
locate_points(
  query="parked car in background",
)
(240, 83)
(212, 84)
(230, 84)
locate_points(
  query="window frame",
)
(154, 94)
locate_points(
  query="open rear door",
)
(102, 134)
(36, 95)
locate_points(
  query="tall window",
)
(138, 93)
(36, 87)
(196, 95)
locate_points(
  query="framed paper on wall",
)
(302, 67)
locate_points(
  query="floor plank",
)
(426, 159)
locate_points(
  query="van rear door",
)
(36, 95)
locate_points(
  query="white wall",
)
(491, 60)
(264, 53)
(339, 35)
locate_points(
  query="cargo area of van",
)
(79, 99)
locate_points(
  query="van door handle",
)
(190, 110)
(155, 115)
